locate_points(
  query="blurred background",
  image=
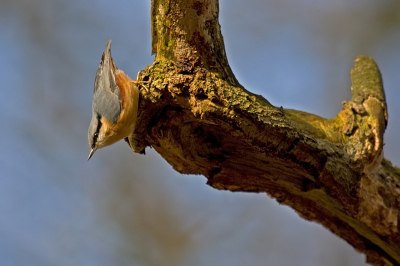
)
(122, 208)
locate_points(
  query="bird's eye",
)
(96, 135)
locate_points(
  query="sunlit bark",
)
(202, 121)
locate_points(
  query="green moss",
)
(237, 98)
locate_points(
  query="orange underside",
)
(124, 84)
(129, 94)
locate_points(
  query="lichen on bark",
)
(202, 121)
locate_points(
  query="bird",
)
(114, 106)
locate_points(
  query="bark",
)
(202, 121)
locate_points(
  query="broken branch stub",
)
(366, 115)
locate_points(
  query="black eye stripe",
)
(96, 134)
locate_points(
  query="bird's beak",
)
(91, 152)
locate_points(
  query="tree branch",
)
(202, 121)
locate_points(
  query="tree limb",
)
(202, 121)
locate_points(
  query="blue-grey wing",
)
(105, 76)
(107, 105)
(106, 98)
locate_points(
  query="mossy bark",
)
(202, 121)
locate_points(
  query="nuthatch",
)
(115, 104)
